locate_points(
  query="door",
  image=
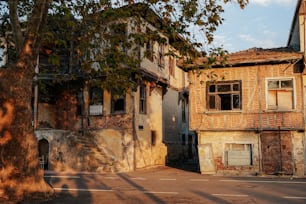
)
(43, 152)
(276, 147)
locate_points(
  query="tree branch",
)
(16, 28)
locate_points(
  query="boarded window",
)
(280, 94)
(225, 95)
(238, 154)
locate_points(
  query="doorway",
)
(43, 153)
(276, 149)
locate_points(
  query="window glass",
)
(272, 84)
(225, 95)
(280, 94)
(286, 84)
(142, 99)
(224, 88)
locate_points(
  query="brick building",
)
(249, 115)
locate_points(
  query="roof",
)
(254, 56)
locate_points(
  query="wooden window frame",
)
(224, 100)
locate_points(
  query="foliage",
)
(76, 31)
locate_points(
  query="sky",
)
(262, 24)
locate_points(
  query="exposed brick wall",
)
(253, 114)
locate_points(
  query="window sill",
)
(282, 111)
(118, 113)
(223, 111)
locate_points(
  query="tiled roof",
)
(255, 56)
(259, 56)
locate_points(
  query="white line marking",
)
(167, 179)
(284, 182)
(61, 176)
(230, 195)
(198, 179)
(111, 177)
(138, 178)
(81, 189)
(292, 197)
(159, 192)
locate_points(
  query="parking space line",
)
(111, 177)
(82, 189)
(230, 195)
(138, 178)
(167, 179)
(159, 192)
(198, 180)
(295, 197)
(261, 181)
(51, 176)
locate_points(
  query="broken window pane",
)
(236, 101)
(286, 84)
(224, 88)
(236, 87)
(272, 84)
(225, 95)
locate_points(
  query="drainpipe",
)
(280, 149)
(35, 105)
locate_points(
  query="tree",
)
(24, 28)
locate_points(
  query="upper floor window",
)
(118, 103)
(95, 101)
(161, 55)
(184, 104)
(280, 94)
(172, 66)
(149, 50)
(142, 99)
(224, 95)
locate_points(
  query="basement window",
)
(238, 154)
(224, 95)
(280, 94)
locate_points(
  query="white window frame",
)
(236, 155)
(293, 92)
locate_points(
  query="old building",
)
(82, 126)
(249, 115)
(296, 41)
(181, 143)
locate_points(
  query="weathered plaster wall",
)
(212, 152)
(299, 155)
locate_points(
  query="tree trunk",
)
(20, 174)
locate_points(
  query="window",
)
(161, 60)
(149, 50)
(238, 154)
(118, 103)
(225, 95)
(280, 94)
(95, 101)
(184, 110)
(142, 99)
(172, 66)
(149, 46)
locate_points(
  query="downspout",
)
(35, 105)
